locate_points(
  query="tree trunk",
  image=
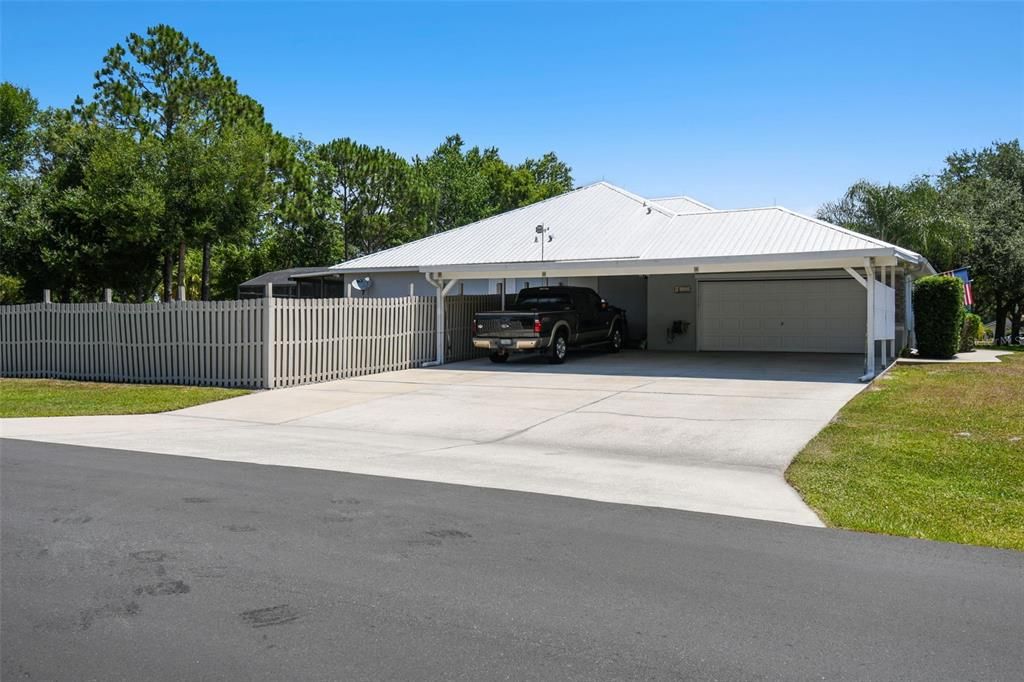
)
(206, 270)
(1015, 315)
(181, 266)
(1002, 310)
(168, 266)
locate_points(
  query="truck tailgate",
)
(507, 325)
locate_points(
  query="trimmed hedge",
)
(939, 315)
(971, 332)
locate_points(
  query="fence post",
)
(46, 295)
(268, 335)
(181, 293)
(108, 295)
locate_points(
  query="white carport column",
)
(868, 282)
(892, 342)
(908, 309)
(883, 347)
(869, 276)
(442, 288)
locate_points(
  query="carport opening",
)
(801, 313)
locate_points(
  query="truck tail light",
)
(536, 326)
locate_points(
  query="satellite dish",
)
(362, 283)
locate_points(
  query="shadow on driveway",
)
(827, 367)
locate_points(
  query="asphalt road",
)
(121, 565)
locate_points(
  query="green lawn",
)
(927, 451)
(52, 398)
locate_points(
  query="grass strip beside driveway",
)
(927, 451)
(54, 398)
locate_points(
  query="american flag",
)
(963, 276)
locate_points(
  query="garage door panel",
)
(799, 343)
(843, 326)
(794, 325)
(721, 340)
(797, 308)
(818, 307)
(749, 309)
(809, 315)
(763, 343)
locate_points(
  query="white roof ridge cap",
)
(639, 199)
(727, 210)
(688, 198)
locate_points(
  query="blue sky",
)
(736, 104)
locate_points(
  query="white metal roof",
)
(604, 223)
(683, 204)
(595, 222)
(751, 232)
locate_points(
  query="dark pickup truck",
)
(550, 320)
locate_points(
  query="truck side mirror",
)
(604, 304)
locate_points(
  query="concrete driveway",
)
(708, 432)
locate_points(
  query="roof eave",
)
(342, 269)
(786, 261)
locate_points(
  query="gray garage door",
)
(805, 315)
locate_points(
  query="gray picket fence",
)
(253, 343)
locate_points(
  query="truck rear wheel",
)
(559, 349)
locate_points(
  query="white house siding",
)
(473, 287)
(389, 285)
(588, 282)
(396, 285)
(664, 306)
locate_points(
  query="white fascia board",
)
(360, 270)
(626, 266)
(746, 275)
(799, 261)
